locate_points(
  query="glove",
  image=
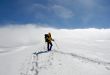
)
(53, 40)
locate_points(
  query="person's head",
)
(49, 34)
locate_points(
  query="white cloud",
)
(88, 4)
(62, 12)
(83, 7)
(14, 36)
(83, 3)
(37, 6)
(57, 10)
(17, 36)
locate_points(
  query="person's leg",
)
(50, 46)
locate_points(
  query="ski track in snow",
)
(85, 58)
(33, 62)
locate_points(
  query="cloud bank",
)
(26, 35)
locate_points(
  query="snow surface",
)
(75, 51)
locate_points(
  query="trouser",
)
(49, 46)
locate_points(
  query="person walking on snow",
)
(49, 40)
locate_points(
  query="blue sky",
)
(56, 13)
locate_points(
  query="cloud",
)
(62, 12)
(21, 35)
(59, 11)
(40, 10)
(82, 3)
(83, 9)
(88, 4)
(37, 7)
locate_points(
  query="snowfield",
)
(75, 51)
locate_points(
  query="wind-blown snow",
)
(78, 51)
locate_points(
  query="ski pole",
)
(56, 44)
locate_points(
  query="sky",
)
(56, 13)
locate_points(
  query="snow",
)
(75, 51)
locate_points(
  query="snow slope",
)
(78, 51)
(61, 63)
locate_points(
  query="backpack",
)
(46, 37)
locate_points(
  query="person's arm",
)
(52, 39)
